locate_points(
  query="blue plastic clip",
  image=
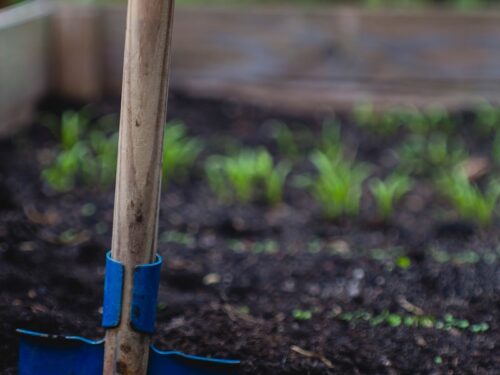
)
(144, 294)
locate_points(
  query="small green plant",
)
(364, 115)
(383, 123)
(428, 156)
(61, 174)
(467, 198)
(388, 192)
(285, 140)
(100, 165)
(487, 118)
(466, 257)
(302, 315)
(179, 152)
(447, 323)
(338, 187)
(84, 156)
(69, 127)
(439, 120)
(180, 238)
(88, 155)
(248, 173)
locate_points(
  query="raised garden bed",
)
(305, 59)
(281, 287)
(24, 66)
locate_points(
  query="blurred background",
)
(334, 53)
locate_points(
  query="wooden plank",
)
(328, 58)
(24, 62)
(77, 72)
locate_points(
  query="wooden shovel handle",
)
(138, 179)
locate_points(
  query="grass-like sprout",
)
(88, 156)
(338, 186)
(179, 152)
(487, 118)
(100, 166)
(247, 173)
(285, 140)
(69, 128)
(467, 199)
(61, 174)
(421, 155)
(388, 192)
(384, 124)
(364, 115)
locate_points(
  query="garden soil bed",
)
(269, 286)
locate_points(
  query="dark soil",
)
(222, 295)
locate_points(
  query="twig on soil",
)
(41, 218)
(235, 314)
(307, 353)
(410, 307)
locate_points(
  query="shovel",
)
(132, 266)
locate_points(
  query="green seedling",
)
(403, 262)
(259, 247)
(285, 140)
(247, 173)
(467, 199)
(462, 258)
(179, 152)
(479, 328)
(88, 156)
(237, 246)
(487, 118)
(69, 128)
(331, 140)
(427, 156)
(447, 323)
(384, 124)
(439, 120)
(338, 186)
(84, 157)
(388, 192)
(88, 209)
(364, 115)
(100, 167)
(438, 360)
(302, 315)
(61, 174)
(275, 183)
(391, 257)
(265, 247)
(176, 237)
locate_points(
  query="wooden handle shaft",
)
(138, 179)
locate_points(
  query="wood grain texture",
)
(76, 37)
(138, 180)
(326, 59)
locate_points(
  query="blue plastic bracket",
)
(144, 294)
